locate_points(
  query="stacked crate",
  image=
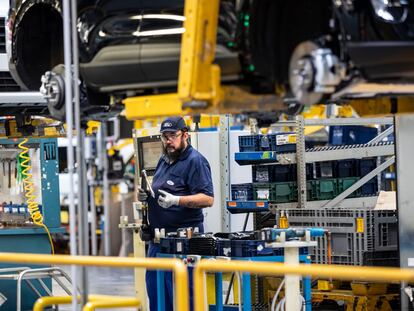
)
(355, 233)
(277, 183)
(270, 182)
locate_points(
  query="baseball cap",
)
(173, 124)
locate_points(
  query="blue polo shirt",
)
(190, 174)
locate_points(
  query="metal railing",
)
(181, 293)
(94, 302)
(267, 268)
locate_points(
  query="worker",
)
(183, 186)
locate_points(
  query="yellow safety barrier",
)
(94, 301)
(271, 268)
(181, 294)
(113, 303)
(44, 302)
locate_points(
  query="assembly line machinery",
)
(29, 213)
(203, 92)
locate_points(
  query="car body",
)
(125, 47)
(305, 49)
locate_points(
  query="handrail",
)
(272, 268)
(112, 303)
(46, 301)
(181, 294)
(94, 301)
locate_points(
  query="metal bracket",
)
(382, 135)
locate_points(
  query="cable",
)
(32, 205)
(282, 303)
(239, 290)
(246, 220)
(272, 308)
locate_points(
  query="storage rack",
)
(374, 148)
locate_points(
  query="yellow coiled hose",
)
(29, 188)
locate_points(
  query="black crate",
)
(242, 192)
(204, 245)
(346, 168)
(367, 165)
(249, 143)
(223, 247)
(284, 173)
(262, 173)
(249, 248)
(167, 245)
(324, 169)
(370, 188)
(181, 246)
(381, 258)
(310, 175)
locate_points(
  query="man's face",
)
(174, 143)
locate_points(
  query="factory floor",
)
(104, 281)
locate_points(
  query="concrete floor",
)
(105, 281)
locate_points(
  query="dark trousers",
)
(151, 282)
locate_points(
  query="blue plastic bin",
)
(351, 134)
(242, 192)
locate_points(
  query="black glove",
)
(142, 195)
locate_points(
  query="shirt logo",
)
(170, 182)
(167, 124)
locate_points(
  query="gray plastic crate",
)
(349, 242)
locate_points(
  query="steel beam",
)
(224, 136)
(404, 144)
(339, 153)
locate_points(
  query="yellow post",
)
(272, 268)
(181, 294)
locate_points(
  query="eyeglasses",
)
(172, 137)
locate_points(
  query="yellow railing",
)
(114, 302)
(180, 271)
(94, 302)
(44, 302)
(268, 268)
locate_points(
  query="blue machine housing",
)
(33, 239)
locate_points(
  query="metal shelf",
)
(237, 207)
(362, 202)
(259, 157)
(329, 153)
(338, 121)
(340, 153)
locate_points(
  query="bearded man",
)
(183, 186)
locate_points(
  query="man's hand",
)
(167, 200)
(142, 195)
